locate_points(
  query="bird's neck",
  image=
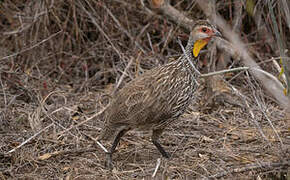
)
(188, 57)
(189, 48)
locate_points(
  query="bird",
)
(159, 96)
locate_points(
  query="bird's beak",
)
(199, 44)
(217, 34)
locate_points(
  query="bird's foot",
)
(109, 163)
(166, 155)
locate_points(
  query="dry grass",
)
(58, 68)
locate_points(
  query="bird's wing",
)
(137, 104)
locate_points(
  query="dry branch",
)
(262, 167)
(237, 20)
(65, 152)
(123, 29)
(180, 19)
(30, 48)
(93, 19)
(29, 139)
(175, 15)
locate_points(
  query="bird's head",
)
(201, 34)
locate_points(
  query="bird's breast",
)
(175, 90)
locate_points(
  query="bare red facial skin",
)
(207, 31)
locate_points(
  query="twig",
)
(237, 21)
(123, 29)
(272, 126)
(241, 69)
(280, 44)
(263, 165)
(26, 26)
(83, 122)
(4, 92)
(150, 42)
(146, 9)
(44, 110)
(123, 74)
(224, 71)
(65, 152)
(276, 91)
(104, 149)
(169, 36)
(244, 98)
(287, 12)
(29, 48)
(266, 116)
(98, 142)
(259, 104)
(100, 28)
(175, 15)
(157, 167)
(29, 139)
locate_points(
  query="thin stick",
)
(96, 141)
(224, 71)
(93, 20)
(123, 29)
(251, 167)
(29, 139)
(157, 167)
(29, 48)
(102, 147)
(244, 68)
(88, 119)
(123, 74)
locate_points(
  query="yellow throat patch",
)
(198, 45)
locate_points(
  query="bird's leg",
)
(109, 163)
(155, 140)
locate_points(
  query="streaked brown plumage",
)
(157, 97)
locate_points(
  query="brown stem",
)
(265, 166)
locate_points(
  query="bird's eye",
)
(204, 29)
